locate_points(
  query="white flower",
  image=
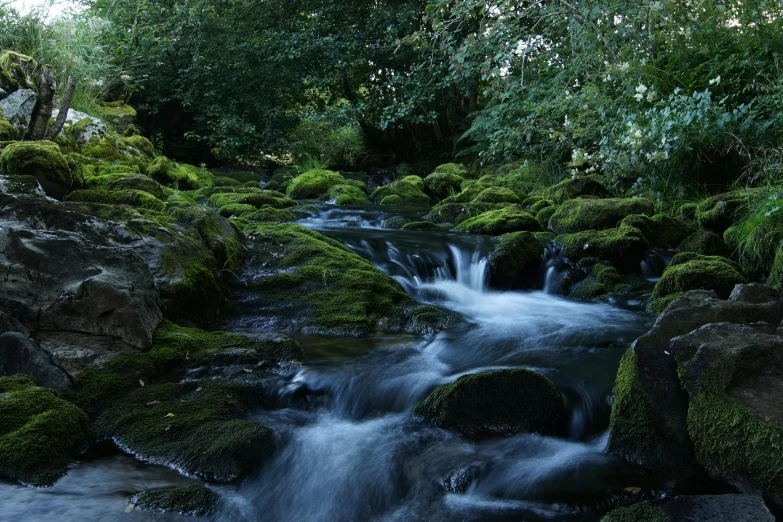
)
(641, 88)
(639, 96)
(624, 66)
(715, 81)
(651, 96)
(125, 77)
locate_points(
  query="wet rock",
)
(81, 126)
(497, 195)
(442, 183)
(11, 324)
(40, 434)
(624, 247)
(450, 212)
(576, 215)
(648, 423)
(575, 187)
(660, 230)
(313, 184)
(495, 403)
(18, 108)
(43, 160)
(195, 500)
(406, 190)
(515, 262)
(705, 243)
(20, 354)
(512, 218)
(701, 508)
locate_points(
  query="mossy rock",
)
(235, 209)
(395, 222)
(45, 161)
(719, 212)
(706, 243)
(695, 508)
(416, 181)
(515, 261)
(576, 215)
(178, 175)
(130, 197)
(495, 403)
(195, 427)
(421, 225)
(315, 284)
(40, 433)
(456, 213)
(408, 193)
(194, 501)
(539, 205)
(343, 195)
(454, 169)
(497, 195)
(495, 222)
(575, 187)
(545, 214)
(657, 306)
(21, 185)
(268, 214)
(660, 230)
(623, 247)
(141, 144)
(118, 113)
(689, 271)
(222, 181)
(602, 279)
(313, 184)
(254, 197)
(428, 320)
(440, 185)
(392, 199)
(125, 181)
(7, 131)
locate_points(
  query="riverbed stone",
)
(695, 508)
(690, 271)
(624, 247)
(80, 126)
(409, 193)
(195, 500)
(495, 403)
(43, 160)
(660, 230)
(20, 354)
(576, 215)
(313, 184)
(515, 262)
(40, 433)
(648, 423)
(512, 218)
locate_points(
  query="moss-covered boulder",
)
(453, 212)
(344, 195)
(717, 213)
(45, 161)
(602, 279)
(129, 180)
(303, 280)
(576, 215)
(7, 131)
(195, 500)
(118, 113)
(545, 214)
(516, 261)
(441, 184)
(268, 214)
(20, 185)
(575, 187)
(254, 197)
(659, 230)
(495, 403)
(623, 247)
(40, 433)
(421, 225)
(497, 195)
(495, 222)
(313, 184)
(131, 198)
(178, 175)
(689, 271)
(706, 243)
(408, 192)
(454, 169)
(392, 199)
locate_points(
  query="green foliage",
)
(757, 236)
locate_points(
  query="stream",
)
(349, 448)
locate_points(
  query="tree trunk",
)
(43, 109)
(70, 88)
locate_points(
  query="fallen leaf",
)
(246, 370)
(169, 415)
(141, 381)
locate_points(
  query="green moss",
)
(657, 306)
(140, 143)
(440, 185)
(538, 205)
(313, 184)
(395, 222)
(42, 159)
(706, 243)
(7, 131)
(421, 225)
(602, 279)
(545, 214)
(515, 260)
(502, 401)
(642, 512)
(575, 187)
(624, 247)
(732, 440)
(496, 195)
(392, 199)
(495, 222)
(257, 198)
(132, 198)
(118, 112)
(347, 195)
(576, 215)
(416, 181)
(719, 212)
(334, 289)
(195, 500)
(268, 214)
(659, 230)
(40, 433)
(178, 175)
(689, 271)
(453, 169)
(125, 181)
(194, 427)
(409, 193)
(235, 209)
(221, 181)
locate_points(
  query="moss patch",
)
(40, 433)
(313, 184)
(440, 185)
(576, 215)
(346, 194)
(497, 195)
(624, 247)
(514, 262)
(408, 192)
(495, 222)
(178, 175)
(689, 271)
(194, 501)
(131, 198)
(45, 161)
(660, 230)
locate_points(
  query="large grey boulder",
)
(648, 423)
(20, 354)
(79, 129)
(18, 109)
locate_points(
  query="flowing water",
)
(349, 448)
